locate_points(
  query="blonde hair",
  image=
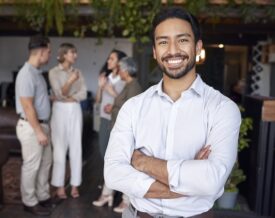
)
(63, 49)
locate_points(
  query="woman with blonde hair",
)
(68, 87)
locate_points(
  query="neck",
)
(34, 61)
(66, 65)
(174, 87)
(114, 72)
(129, 79)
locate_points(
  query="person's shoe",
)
(49, 203)
(104, 199)
(38, 210)
(75, 192)
(121, 207)
(61, 193)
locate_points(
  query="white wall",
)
(91, 57)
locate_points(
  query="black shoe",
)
(47, 203)
(38, 210)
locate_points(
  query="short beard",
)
(181, 73)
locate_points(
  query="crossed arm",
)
(157, 178)
(157, 168)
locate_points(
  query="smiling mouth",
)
(175, 62)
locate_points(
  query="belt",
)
(40, 121)
(208, 214)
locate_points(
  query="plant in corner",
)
(228, 199)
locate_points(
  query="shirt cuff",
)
(173, 168)
(142, 185)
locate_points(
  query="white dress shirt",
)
(175, 131)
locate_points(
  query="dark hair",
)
(38, 41)
(176, 12)
(120, 54)
(104, 69)
(63, 49)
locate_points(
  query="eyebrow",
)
(178, 36)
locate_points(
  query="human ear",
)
(154, 52)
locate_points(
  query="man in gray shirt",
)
(33, 106)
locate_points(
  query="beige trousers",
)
(36, 165)
(66, 126)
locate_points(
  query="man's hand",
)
(139, 159)
(203, 154)
(42, 138)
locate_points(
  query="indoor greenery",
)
(237, 175)
(127, 18)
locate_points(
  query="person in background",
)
(33, 132)
(108, 89)
(69, 88)
(173, 147)
(109, 86)
(128, 73)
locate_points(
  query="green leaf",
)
(132, 39)
(125, 32)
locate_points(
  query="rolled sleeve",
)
(207, 177)
(141, 185)
(173, 168)
(118, 171)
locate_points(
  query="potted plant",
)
(229, 197)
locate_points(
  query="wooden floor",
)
(82, 207)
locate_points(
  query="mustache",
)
(177, 55)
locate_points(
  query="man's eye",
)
(162, 42)
(183, 40)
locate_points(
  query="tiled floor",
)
(82, 207)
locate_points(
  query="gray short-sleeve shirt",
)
(31, 83)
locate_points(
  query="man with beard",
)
(173, 146)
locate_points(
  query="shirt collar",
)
(62, 68)
(196, 87)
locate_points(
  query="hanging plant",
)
(42, 16)
(128, 18)
(136, 19)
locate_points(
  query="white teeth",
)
(174, 61)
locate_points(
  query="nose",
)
(173, 47)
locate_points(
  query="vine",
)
(128, 18)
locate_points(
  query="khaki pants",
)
(36, 165)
